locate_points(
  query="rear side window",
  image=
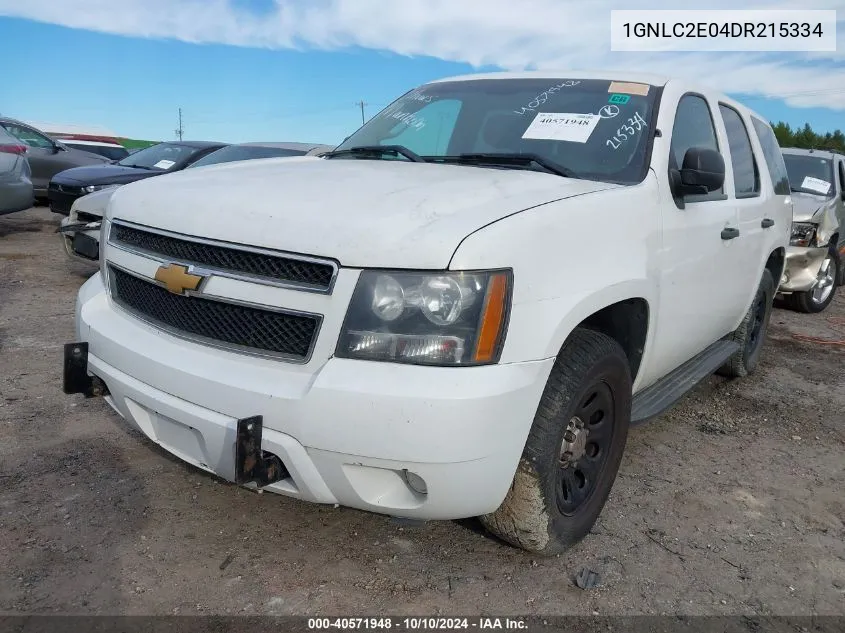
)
(746, 176)
(773, 156)
(28, 136)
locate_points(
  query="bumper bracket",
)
(252, 465)
(76, 378)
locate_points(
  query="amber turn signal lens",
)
(492, 319)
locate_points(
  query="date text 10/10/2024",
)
(417, 624)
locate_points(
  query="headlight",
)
(803, 234)
(427, 318)
(93, 188)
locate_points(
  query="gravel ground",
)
(731, 503)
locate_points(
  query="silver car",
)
(814, 259)
(16, 193)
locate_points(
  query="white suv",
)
(459, 311)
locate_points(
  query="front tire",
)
(573, 451)
(751, 333)
(821, 296)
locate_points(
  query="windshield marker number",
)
(635, 124)
(541, 98)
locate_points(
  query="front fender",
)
(570, 259)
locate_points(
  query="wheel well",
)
(775, 265)
(627, 323)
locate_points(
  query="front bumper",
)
(67, 235)
(61, 201)
(347, 433)
(802, 268)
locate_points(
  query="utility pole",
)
(362, 104)
(179, 130)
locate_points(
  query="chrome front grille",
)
(217, 322)
(230, 260)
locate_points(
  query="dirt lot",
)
(731, 503)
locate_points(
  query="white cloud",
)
(511, 34)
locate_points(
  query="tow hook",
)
(253, 465)
(76, 376)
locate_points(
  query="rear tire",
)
(814, 301)
(573, 451)
(751, 333)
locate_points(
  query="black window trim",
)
(758, 182)
(841, 173)
(714, 196)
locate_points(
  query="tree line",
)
(807, 138)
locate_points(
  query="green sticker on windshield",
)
(619, 99)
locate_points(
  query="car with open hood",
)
(459, 311)
(157, 160)
(814, 259)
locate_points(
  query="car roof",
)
(195, 144)
(77, 141)
(8, 119)
(285, 145)
(652, 79)
(800, 151)
(620, 75)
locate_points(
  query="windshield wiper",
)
(379, 150)
(508, 158)
(136, 166)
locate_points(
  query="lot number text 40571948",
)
(417, 624)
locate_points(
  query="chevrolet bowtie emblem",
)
(177, 279)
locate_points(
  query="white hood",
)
(94, 203)
(364, 213)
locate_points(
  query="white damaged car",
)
(458, 312)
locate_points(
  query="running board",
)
(654, 400)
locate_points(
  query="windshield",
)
(160, 157)
(244, 152)
(594, 129)
(112, 153)
(810, 174)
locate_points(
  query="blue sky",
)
(233, 69)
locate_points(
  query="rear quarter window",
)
(772, 156)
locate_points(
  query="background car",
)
(80, 230)
(249, 151)
(112, 151)
(47, 156)
(813, 260)
(16, 192)
(158, 159)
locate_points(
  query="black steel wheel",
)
(751, 333)
(573, 450)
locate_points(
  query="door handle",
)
(766, 223)
(729, 233)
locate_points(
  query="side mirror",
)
(703, 171)
(59, 147)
